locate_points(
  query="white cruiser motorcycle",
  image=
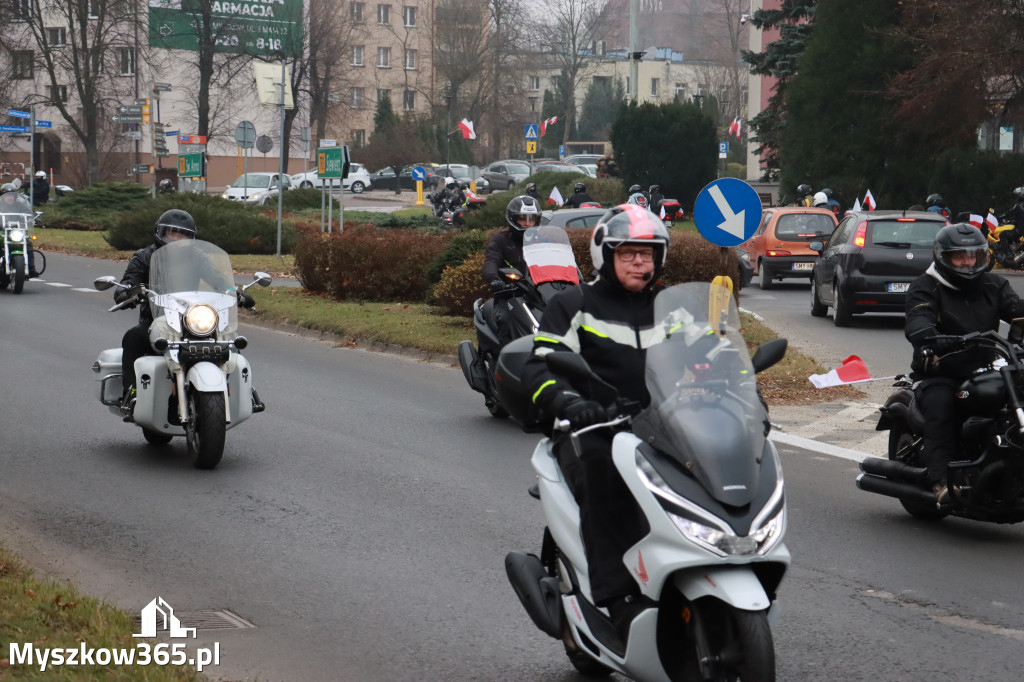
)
(198, 384)
(709, 484)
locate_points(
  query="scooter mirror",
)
(768, 354)
(262, 278)
(104, 283)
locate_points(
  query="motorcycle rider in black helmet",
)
(955, 296)
(579, 196)
(804, 195)
(636, 196)
(505, 250)
(655, 196)
(171, 226)
(1014, 215)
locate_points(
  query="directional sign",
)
(419, 173)
(13, 129)
(44, 124)
(142, 101)
(193, 139)
(161, 87)
(140, 169)
(333, 162)
(727, 212)
(17, 113)
(127, 118)
(531, 131)
(162, 152)
(190, 165)
(133, 135)
(130, 109)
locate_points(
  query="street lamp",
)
(533, 109)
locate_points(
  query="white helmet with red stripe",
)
(628, 224)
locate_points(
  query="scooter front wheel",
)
(205, 429)
(739, 641)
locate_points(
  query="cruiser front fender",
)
(207, 377)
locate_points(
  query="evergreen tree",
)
(384, 119)
(600, 107)
(556, 103)
(672, 145)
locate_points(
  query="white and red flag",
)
(852, 371)
(869, 202)
(856, 205)
(548, 122)
(466, 126)
(662, 212)
(732, 128)
(976, 220)
(556, 197)
(739, 129)
(551, 262)
(992, 221)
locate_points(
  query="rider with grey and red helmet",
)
(579, 196)
(955, 296)
(610, 323)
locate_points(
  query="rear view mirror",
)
(1016, 334)
(104, 283)
(768, 354)
(816, 246)
(262, 278)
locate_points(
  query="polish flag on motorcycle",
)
(466, 126)
(869, 202)
(852, 371)
(551, 262)
(977, 221)
(549, 122)
(556, 197)
(992, 222)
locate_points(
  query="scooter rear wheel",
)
(496, 410)
(583, 663)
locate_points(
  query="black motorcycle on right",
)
(987, 483)
(551, 268)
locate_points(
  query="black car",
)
(385, 179)
(870, 260)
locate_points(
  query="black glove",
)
(245, 300)
(579, 411)
(498, 285)
(942, 346)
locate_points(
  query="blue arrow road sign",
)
(727, 212)
(18, 114)
(531, 131)
(419, 173)
(44, 124)
(13, 129)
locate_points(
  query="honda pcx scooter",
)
(552, 268)
(199, 385)
(987, 484)
(709, 484)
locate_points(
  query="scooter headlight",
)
(16, 235)
(201, 320)
(728, 544)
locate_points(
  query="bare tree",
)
(724, 72)
(330, 35)
(86, 48)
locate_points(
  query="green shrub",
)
(299, 199)
(460, 246)
(312, 259)
(461, 285)
(94, 208)
(234, 227)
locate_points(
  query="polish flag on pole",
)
(733, 127)
(739, 129)
(992, 221)
(556, 197)
(466, 126)
(976, 220)
(852, 371)
(856, 205)
(549, 122)
(869, 202)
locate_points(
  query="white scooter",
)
(199, 385)
(709, 484)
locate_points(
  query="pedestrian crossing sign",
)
(531, 131)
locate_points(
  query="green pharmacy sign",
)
(263, 28)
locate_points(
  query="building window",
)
(357, 98)
(58, 93)
(94, 10)
(535, 82)
(383, 95)
(356, 12)
(358, 138)
(409, 14)
(384, 14)
(126, 58)
(410, 59)
(357, 55)
(409, 100)
(655, 86)
(384, 57)
(681, 91)
(21, 66)
(57, 36)
(22, 10)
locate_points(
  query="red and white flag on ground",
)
(869, 202)
(856, 205)
(466, 126)
(976, 220)
(549, 122)
(852, 371)
(992, 221)
(556, 197)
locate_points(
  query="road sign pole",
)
(31, 150)
(280, 165)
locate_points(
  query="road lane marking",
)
(57, 284)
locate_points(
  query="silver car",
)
(506, 174)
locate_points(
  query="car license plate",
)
(803, 266)
(898, 287)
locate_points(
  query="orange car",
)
(779, 248)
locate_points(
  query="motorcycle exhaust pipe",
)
(537, 590)
(887, 468)
(898, 489)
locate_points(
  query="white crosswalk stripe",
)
(57, 284)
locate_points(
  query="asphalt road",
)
(360, 523)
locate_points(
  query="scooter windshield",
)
(704, 411)
(189, 272)
(15, 210)
(549, 255)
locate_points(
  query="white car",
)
(256, 188)
(358, 179)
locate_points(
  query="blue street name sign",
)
(13, 129)
(419, 173)
(531, 131)
(171, 133)
(727, 212)
(44, 124)
(19, 114)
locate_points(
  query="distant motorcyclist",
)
(40, 189)
(833, 205)
(820, 200)
(165, 186)
(636, 196)
(12, 201)
(579, 196)
(531, 191)
(655, 197)
(936, 204)
(804, 195)
(505, 250)
(955, 296)
(456, 197)
(1015, 215)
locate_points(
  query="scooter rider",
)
(171, 226)
(531, 190)
(955, 296)
(579, 196)
(505, 250)
(610, 323)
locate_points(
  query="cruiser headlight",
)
(16, 235)
(201, 320)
